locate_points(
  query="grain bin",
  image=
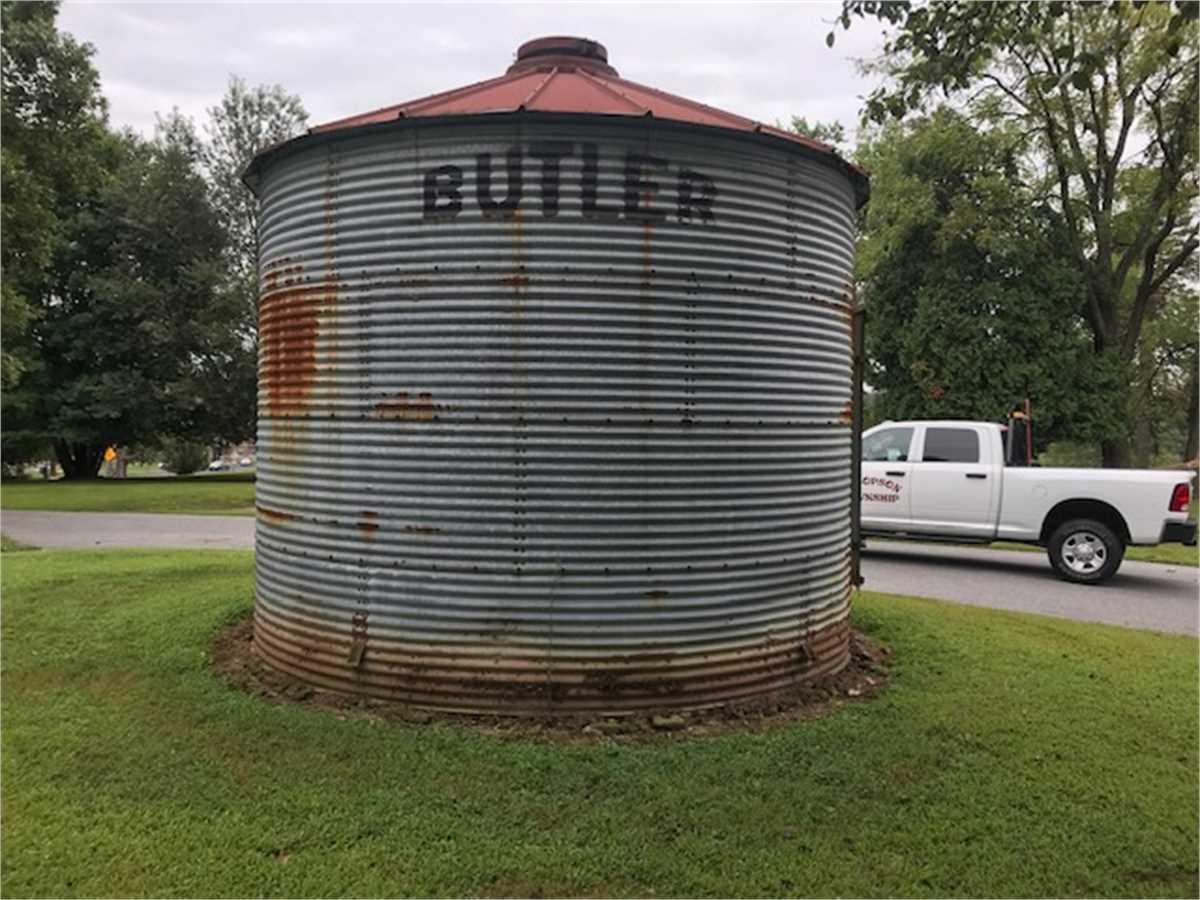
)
(554, 392)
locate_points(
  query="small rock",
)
(854, 692)
(668, 723)
(609, 726)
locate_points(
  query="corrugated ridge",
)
(498, 458)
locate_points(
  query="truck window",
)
(888, 445)
(954, 445)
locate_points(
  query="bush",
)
(184, 457)
(1071, 454)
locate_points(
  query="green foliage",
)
(183, 457)
(1165, 379)
(246, 121)
(52, 118)
(128, 299)
(1106, 97)
(972, 302)
(1011, 756)
(944, 48)
(131, 317)
(114, 314)
(1069, 454)
(831, 133)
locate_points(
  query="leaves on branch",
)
(1103, 91)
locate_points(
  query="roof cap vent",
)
(589, 56)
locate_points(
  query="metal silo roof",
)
(570, 75)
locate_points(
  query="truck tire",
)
(1085, 551)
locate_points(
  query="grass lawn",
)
(1171, 554)
(8, 545)
(1012, 755)
(226, 494)
(139, 470)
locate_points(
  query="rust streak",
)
(279, 268)
(368, 524)
(403, 407)
(522, 685)
(842, 309)
(276, 516)
(288, 326)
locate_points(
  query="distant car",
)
(217, 465)
(246, 461)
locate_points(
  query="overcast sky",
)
(767, 61)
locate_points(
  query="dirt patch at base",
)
(865, 677)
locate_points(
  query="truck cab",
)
(934, 477)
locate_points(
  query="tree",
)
(972, 303)
(1165, 382)
(1107, 96)
(52, 117)
(831, 133)
(128, 316)
(132, 314)
(246, 121)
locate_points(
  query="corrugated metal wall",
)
(528, 459)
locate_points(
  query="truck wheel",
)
(1085, 551)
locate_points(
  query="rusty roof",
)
(572, 75)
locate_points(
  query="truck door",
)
(885, 471)
(953, 488)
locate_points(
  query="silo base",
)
(864, 675)
(449, 678)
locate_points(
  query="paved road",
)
(1142, 595)
(68, 529)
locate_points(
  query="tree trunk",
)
(1193, 418)
(1143, 443)
(79, 460)
(1115, 453)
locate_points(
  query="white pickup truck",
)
(948, 480)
